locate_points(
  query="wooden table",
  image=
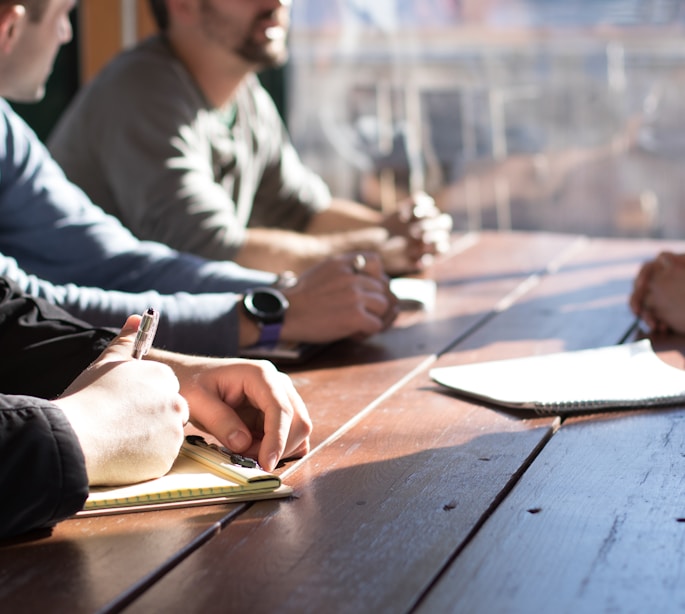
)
(413, 500)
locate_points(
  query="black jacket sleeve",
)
(42, 348)
(42, 470)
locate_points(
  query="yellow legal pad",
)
(201, 475)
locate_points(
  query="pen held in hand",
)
(146, 333)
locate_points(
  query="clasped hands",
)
(417, 231)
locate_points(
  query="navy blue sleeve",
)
(58, 245)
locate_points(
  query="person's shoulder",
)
(152, 51)
(140, 84)
(144, 67)
(13, 127)
(7, 113)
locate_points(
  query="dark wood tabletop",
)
(415, 500)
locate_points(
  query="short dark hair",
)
(160, 13)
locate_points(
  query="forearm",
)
(276, 250)
(344, 226)
(344, 215)
(279, 251)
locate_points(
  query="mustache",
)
(279, 14)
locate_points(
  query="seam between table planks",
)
(127, 597)
(518, 292)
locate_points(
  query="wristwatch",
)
(267, 307)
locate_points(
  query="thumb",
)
(122, 345)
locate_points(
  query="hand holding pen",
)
(140, 395)
(146, 333)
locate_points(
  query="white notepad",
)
(613, 377)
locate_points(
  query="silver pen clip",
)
(146, 333)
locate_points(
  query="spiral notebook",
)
(612, 377)
(202, 474)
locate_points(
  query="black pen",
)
(146, 333)
(236, 459)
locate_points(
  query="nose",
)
(276, 4)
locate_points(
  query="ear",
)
(11, 18)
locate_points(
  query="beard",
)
(252, 48)
(265, 55)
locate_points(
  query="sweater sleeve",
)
(146, 145)
(42, 470)
(58, 245)
(51, 228)
(204, 324)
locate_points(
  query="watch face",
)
(266, 304)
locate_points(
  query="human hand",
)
(659, 293)
(418, 231)
(127, 414)
(248, 405)
(338, 298)
(640, 284)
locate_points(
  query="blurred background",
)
(563, 115)
(559, 115)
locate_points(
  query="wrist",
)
(248, 330)
(285, 280)
(266, 308)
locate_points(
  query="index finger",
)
(287, 427)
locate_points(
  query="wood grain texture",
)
(378, 513)
(472, 281)
(403, 474)
(83, 564)
(383, 508)
(597, 524)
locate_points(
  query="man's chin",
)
(272, 56)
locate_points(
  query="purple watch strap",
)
(270, 333)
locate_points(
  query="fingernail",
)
(273, 461)
(238, 441)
